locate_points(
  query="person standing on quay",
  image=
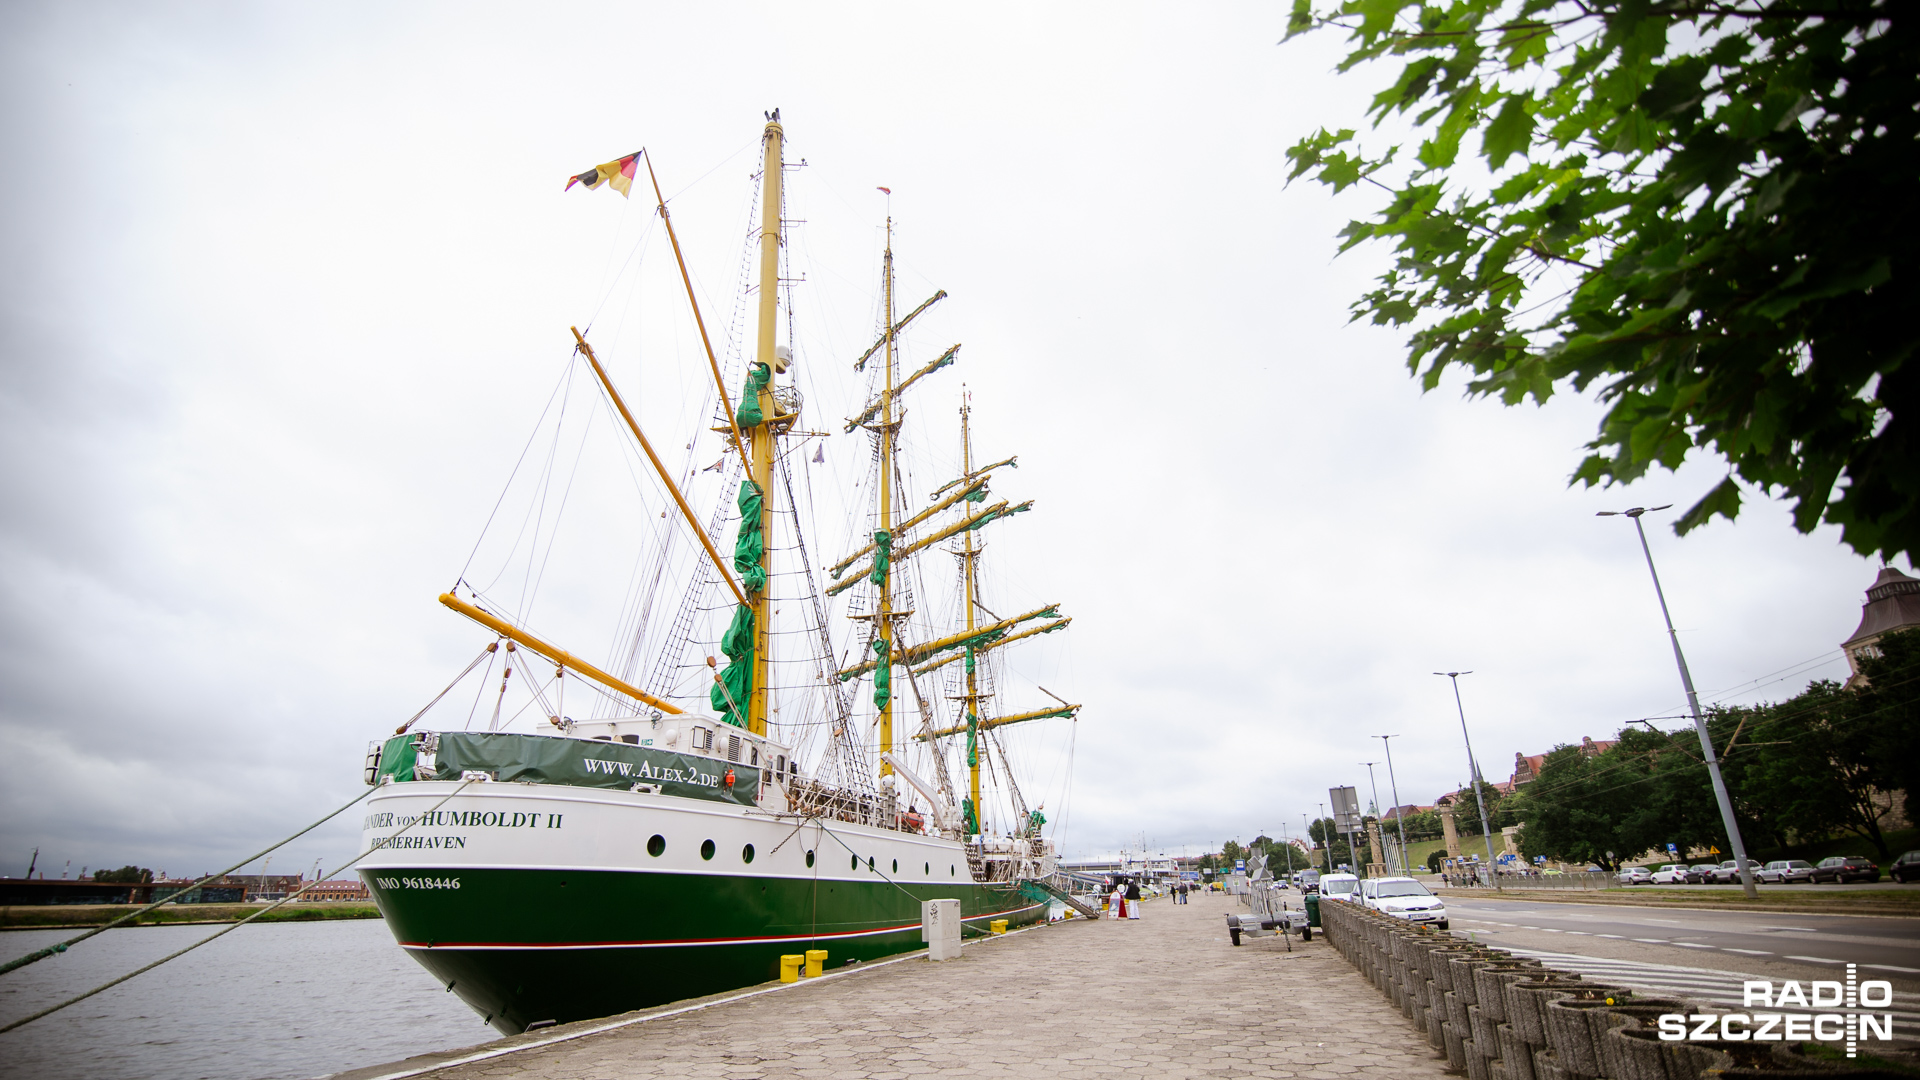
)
(1133, 898)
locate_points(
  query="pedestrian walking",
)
(1133, 899)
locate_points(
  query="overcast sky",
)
(286, 286)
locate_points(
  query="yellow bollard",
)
(998, 926)
(790, 967)
(816, 959)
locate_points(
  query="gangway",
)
(1050, 891)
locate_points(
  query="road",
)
(1725, 940)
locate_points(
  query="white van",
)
(1339, 887)
(1404, 898)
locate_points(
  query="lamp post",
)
(1375, 785)
(1473, 774)
(1393, 786)
(1693, 703)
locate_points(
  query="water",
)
(281, 1000)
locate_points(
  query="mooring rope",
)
(51, 1009)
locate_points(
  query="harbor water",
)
(281, 1000)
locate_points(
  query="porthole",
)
(896, 866)
(869, 862)
(809, 860)
(657, 845)
(706, 849)
(951, 872)
(746, 853)
(929, 870)
(855, 865)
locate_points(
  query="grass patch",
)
(83, 915)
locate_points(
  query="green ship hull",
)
(523, 946)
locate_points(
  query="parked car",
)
(1786, 872)
(1403, 898)
(1728, 873)
(1697, 873)
(1672, 873)
(1844, 868)
(1634, 875)
(1905, 868)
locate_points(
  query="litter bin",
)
(1312, 903)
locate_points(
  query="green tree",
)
(128, 875)
(1576, 806)
(1889, 704)
(1466, 811)
(1701, 209)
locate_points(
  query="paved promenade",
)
(1163, 996)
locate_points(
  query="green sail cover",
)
(969, 823)
(882, 675)
(751, 544)
(983, 522)
(882, 556)
(970, 661)
(729, 694)
(397, 759)
(978, 494)
(549, 759)
(973, 740)
(736, 679)
(748, 414)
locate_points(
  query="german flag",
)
(617, 173)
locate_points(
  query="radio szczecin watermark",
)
(1806, 1022)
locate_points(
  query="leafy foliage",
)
(1828, 761)
(1701, 209)
(128, 875)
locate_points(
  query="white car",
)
(1404, 898)
(1672, 874)
(1339, 887)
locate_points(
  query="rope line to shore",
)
(172, 897)
(51, 1009)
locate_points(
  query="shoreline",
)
(88, 916)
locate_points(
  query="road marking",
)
(1616, 937)
(1720, 989)
(1893, 967)
(1816, 959)
(1579, 933)
(1752, 952)
(1651, 940)
(1691, 945)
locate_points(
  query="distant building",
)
(336, 890)
(1893, 603)
(1527, 766)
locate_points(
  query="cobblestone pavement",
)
(1163, 996)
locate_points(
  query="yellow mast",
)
(760, 466)
(972, 701)
(885, 614)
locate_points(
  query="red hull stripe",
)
(689, 941)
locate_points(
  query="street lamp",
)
(1393, 786)
(1693, 703)
(1376, 800)
(1473, 772)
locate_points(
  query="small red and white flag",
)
(888, 190)
(617, 174)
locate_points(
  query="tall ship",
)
(747, 780)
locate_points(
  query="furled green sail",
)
(749, 414)
(882, 674)
(729, 695)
